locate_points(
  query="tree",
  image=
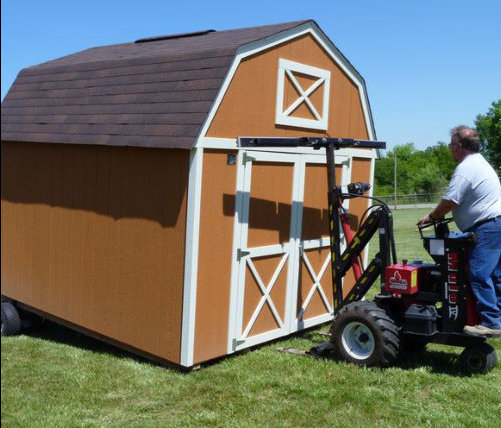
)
(489, 129)
(404, 151)
(383, 175)
(441, 156)
(418, 171)
(429, 179)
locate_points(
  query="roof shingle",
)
(153, 94)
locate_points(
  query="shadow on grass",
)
(57, 333)
(439, 362)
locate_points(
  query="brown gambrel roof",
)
(155, 93)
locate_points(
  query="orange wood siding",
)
(248, 107)
(96, 236)
(270, 203)
(214, 263)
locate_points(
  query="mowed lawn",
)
(59, 378)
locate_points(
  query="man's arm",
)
(443, 207)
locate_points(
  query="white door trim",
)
(239, 339)
(296, 323)
(237, 332)
(241, 217)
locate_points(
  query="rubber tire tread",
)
(383, 327)
(488, 355)
(11, 322)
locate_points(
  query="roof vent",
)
(174, 36)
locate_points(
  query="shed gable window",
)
(302, 95)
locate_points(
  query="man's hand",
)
(425, 220)
(443, 207)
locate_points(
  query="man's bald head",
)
(466, 138)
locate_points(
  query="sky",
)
(428, 65)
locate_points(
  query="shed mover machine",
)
(418, 303)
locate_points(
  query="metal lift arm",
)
(379, 220)
(315, 142)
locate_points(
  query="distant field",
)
(58, 378)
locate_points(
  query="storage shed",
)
(129, 213)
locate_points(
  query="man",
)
(474, 197)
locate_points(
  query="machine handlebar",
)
(439, 225)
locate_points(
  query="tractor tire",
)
(364, 334)
(478, 359)
(11, 322)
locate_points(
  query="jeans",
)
(485, 272)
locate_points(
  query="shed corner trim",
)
(191, 258)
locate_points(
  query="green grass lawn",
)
(59, 378)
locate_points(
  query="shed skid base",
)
(293, 351)
(323, 350)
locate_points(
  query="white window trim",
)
(283, 112)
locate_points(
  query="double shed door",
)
(281, 276)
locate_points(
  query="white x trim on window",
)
(303, 95)
(284, 113)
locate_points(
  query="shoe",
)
(481, 330)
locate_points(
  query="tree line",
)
(429, 170)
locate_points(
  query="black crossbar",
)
(315, 142)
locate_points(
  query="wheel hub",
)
(475, 362)
(358, 340)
